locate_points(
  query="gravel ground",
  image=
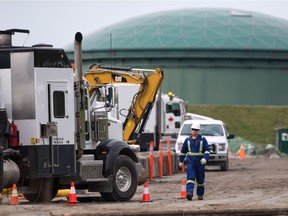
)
(257, 183)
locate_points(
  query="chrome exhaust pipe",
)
(78, 56)
(79, 97)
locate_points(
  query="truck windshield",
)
(51, 58)
(205, 130)
(173, 108)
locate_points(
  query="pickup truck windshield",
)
(205, 130)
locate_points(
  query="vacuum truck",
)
(50, 133)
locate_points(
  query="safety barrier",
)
(145, 159)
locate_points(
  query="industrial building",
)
(209, 55)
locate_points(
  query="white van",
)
(217, 137)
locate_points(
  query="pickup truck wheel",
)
(225, 165)
(124, 180)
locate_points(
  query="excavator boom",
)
(149, 80)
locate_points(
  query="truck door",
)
(61, 142)
(173, 117)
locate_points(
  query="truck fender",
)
(109, 150)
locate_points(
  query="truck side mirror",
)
(174, 135)
(230, 136)
(110, 96)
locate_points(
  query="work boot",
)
(189, 196)
(200, 197)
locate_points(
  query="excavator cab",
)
(143, 101)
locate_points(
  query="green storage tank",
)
(216, 56)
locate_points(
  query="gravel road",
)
(257, 183)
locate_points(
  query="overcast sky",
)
(56, 22)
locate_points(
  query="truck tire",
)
(225, 165)
(124, 180)
(45, 190)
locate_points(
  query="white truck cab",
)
(217, 137)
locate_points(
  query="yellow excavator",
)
(150, 80)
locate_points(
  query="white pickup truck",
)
(217, 137)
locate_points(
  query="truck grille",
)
(212, 148)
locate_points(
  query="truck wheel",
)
(225, 165)
(44, 190)
(124, 180)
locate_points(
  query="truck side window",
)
(176, 109)
(169, 108)
(173, 108)
(5, 60)
(59, 104)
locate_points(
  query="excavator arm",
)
(142, 103)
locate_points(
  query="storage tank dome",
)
(209, 55)
(193, 28)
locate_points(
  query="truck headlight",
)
(221, 146)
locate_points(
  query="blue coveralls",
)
(195, 151)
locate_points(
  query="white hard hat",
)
(195, 126)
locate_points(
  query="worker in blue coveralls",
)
(196, 150)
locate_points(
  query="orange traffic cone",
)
(72, 197)
(14, 197)
(146, 195)
(183, 190)
(242, 153)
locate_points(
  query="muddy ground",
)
(254, 183)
